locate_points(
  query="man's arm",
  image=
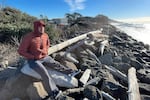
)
(23, 48)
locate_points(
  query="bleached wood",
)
(73, 40)
(117, 73)
(84, 78)
(133, 92)
(70, 91)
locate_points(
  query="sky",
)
(114, 9)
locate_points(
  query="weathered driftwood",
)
(93, 81)
(84, 78)
(76, 46)
(117, 73)
(102, 46)
(73, 40)
(70, 58)
(107, 96)
(133, 92)
(91, 54)
(74, 90)
(79, 49)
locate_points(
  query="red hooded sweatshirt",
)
(35, 45)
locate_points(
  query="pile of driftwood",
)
(110, 67)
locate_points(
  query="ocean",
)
(138, 31)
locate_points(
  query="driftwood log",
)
(133, 92)
(74, 40)
(117, 73)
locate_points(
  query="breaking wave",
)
(140, 32)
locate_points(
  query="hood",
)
(37, 24)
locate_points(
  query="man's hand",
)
(42, 51)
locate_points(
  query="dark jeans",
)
(47, 80)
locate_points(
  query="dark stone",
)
(145, 54)
(145, 97)
(123, 67)
(143, 75)
(136, 64)
(116, 38)
(106, 59)
(115, 90)
(92, 93)
(141, 60)
(144, 88)
(147, 59)
(125, 59)
(117, 59)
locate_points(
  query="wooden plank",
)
(133, 92)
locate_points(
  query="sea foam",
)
(140, 31)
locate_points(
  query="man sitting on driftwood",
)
(34, 47)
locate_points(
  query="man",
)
(34, 47)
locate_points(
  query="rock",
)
(147, 59)
(125, 59)
(4, 64)
(15, 87)
(136, 64)
(116, 38)
(114, 89)
(144, 88)
(16, 99)
(145, 97)
(92, 93)
(123, 67)
(5, 74)
(65, 98)
(145, 54)
(68, 64)
(147, 46)
(143, 76)
(106, 59)
(141, 60)
(36, 91)
(117, 59)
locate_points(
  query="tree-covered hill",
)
(13, 22)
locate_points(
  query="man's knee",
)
(33, 63)
(49, 59)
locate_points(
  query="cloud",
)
(76, 4)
